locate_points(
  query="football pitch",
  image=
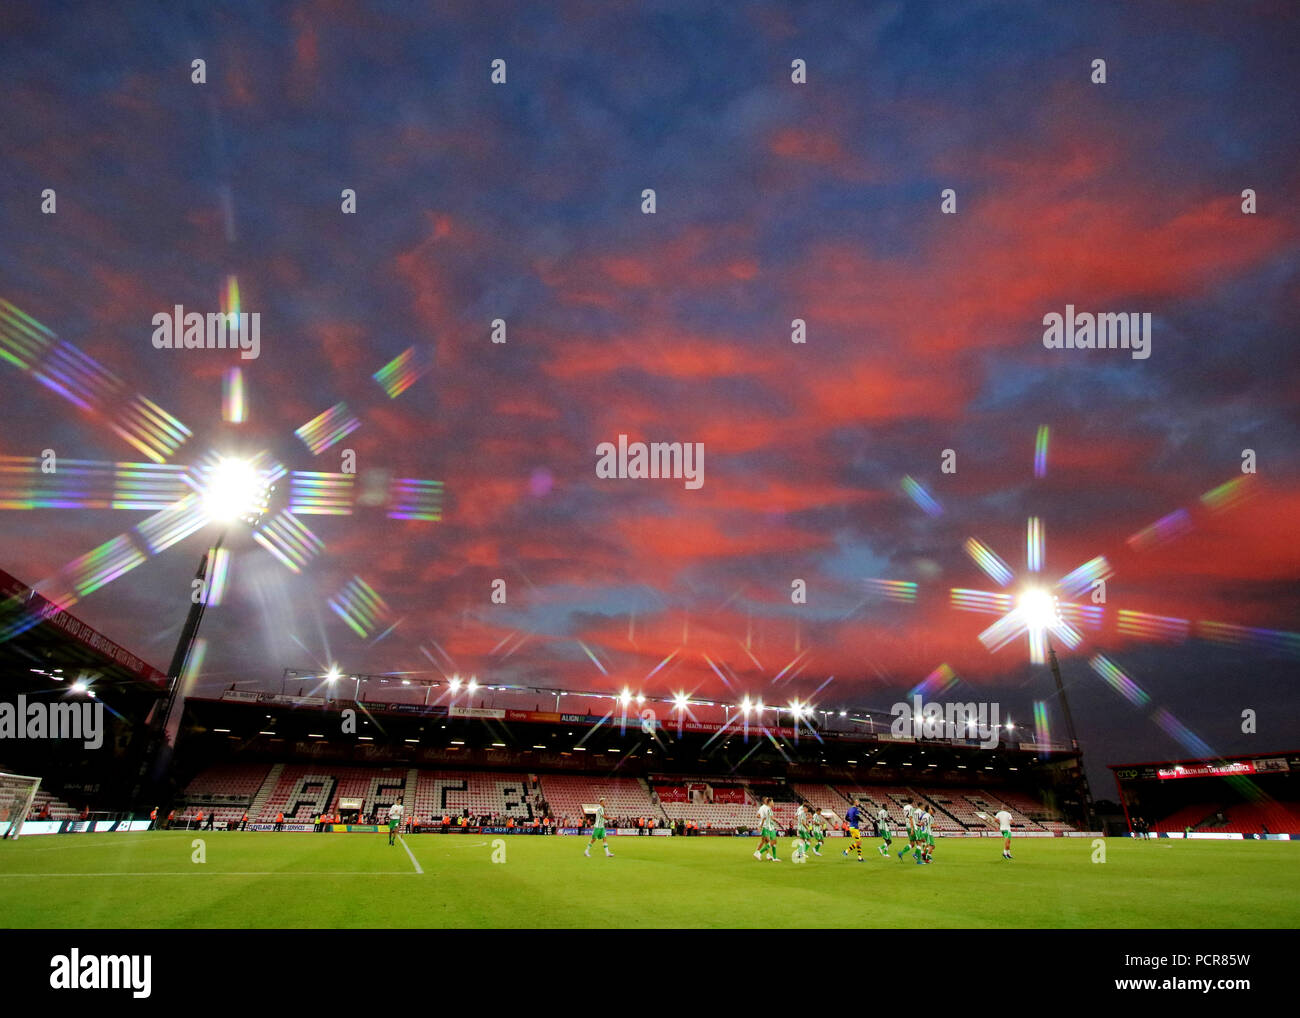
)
(260, 880)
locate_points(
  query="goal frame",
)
(18, 818)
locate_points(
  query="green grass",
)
(148, 881)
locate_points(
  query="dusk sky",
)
(775, 201)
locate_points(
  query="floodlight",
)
(234, 489)
(1038, 609)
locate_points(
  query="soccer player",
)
(394, 821)
(1004, 825)
(766, 831)
(598, 831)
(802, 836)
(909, 818)
(852, 817)
(924, 838)
(818, 827)
(882, 830)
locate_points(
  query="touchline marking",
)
(409, 854)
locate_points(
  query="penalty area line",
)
(409, 854)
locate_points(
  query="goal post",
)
(17, 792)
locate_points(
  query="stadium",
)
(488, 775)
(648, 467)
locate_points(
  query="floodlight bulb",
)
(233, 489)
(1038, 609)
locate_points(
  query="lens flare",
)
(313, 493)
(88, 484)
(1118, 681)
(413, 499)
(1034, 540)
(984, 557)
(913, 489)
(980, 601)
(290, 541)
(402, 371)
(1153, 627)
(359, 606)
(234, 405)
(902, 591)
(327, 428)
(1163, 530)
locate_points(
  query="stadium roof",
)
(37, 636)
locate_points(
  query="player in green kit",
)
(817, 824)
(924, 838)
(394, 821)
(909, 818)
(598, 831)
(882, 830)
(766, 831)
(802, 835)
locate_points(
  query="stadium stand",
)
(1238, 818)
(566, 794)
(303, 790)
(1191, 815)
(442, 793)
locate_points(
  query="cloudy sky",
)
(775, 201)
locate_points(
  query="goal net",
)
(17, 791)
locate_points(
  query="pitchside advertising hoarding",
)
(77, 826)
(1258, 765)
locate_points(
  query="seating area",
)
(721, 803)
(448, 793)
(1253, 817)
(1239, 818)
(991, 802)
(566, 794)
(231, 781)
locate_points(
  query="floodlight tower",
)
(230, 490)
(1041, 613)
